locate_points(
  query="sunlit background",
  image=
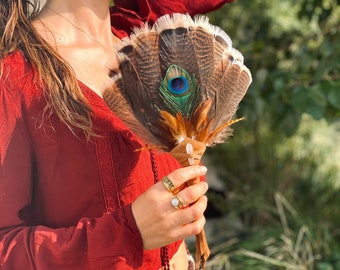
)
(275, 187)
(277, 203)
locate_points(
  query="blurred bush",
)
(288, 148)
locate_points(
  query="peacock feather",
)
(179, 78)
(179, 91)
(179, 84)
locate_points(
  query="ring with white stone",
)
(177, 202)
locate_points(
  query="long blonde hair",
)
(63, 95)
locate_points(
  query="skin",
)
(80, 31)
(164, 224)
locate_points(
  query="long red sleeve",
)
(65, 202)
(92, 244)
(31, 236)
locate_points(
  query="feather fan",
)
(178, 86)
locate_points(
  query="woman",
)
(74, 193)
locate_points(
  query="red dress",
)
(65, 202)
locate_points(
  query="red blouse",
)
(65, 202)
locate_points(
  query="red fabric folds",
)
(65, 202)
(135, 12)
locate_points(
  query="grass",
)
(281, 204)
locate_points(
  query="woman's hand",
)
(159, 222)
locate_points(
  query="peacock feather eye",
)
(177, 81)
(178, 85)
(178, 90)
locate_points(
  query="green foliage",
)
(289, 143)
(304, 167)
(293, 51)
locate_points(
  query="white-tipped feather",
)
(203, 50)
(219, 33)
(124, 42)
(145, 28)
(234, 55)
(203, 21)
(173, 21)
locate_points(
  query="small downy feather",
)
(180, 75)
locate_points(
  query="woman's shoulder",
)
(17, 74)
(15, 66)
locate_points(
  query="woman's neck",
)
(71, 21)
(80, 31)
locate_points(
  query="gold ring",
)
(168, 184)
(177, 202)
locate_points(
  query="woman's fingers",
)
(192, 193)
(193, 212)
(192, 228)
(180, 176)
(160, 220)
(187, 221)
